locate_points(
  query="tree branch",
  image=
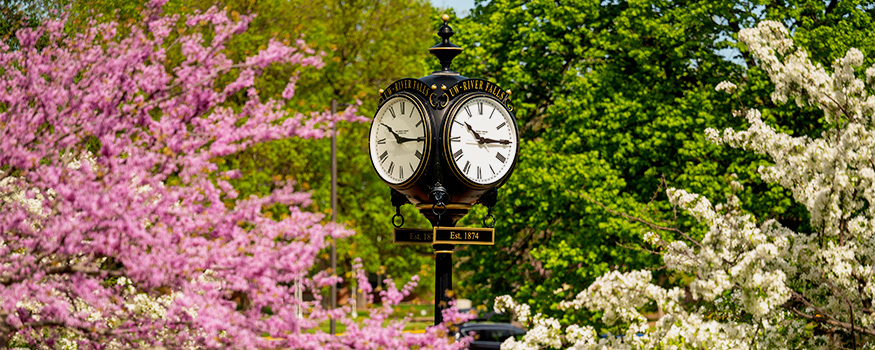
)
(845, 298)
(822, 317)
(635, 218)
(842, 108)
(831, 7)
(638, 248)
(65, 269)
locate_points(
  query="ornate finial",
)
(445, 51)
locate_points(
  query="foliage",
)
(765, 285)
(619, 93)
(366, 46)
(118, 226)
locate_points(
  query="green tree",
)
(613, 98)
(367, 45)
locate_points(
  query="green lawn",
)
(400, 312)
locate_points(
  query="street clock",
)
(444, 131)
(444, 142)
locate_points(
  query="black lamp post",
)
(444, 142)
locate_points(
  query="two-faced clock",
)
(400, 139)
(480, 140)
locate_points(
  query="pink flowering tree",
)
(116, 227)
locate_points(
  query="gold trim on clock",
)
(427, 147)
(421, 206)
(446, 148)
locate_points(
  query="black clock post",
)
(444, 142)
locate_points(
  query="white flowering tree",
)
(758, 285)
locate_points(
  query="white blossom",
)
(713, 135)
(726, 86)
(651, 237)
(758, 284)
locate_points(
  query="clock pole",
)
(458, 143)
(442, 215)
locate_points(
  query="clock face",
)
(400, 139)
(481, 140)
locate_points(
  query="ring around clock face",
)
(480, 140)
(400, 139)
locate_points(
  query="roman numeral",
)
(418, 154)
(392, 111)
(469, 112)
(402, 108)
(490, 168)
(381, 141)
(480, 107)
(500, 125)
(455, 139)
(500, 157)
(418, 123)
(479, 174)
(458, 122)
(391, 167)
(401, 172)
(384, 156)
(490, 114)
(467, 167)
(457, 155)
(412, 170)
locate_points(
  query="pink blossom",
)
(116, 223)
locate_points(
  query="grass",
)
(403, 310)
(398, 313)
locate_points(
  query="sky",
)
(462, 7)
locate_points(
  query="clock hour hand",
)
(482, 140)
(398, 138)
(401, 139)
(476, 135)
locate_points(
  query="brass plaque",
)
(413, 236)
(464, 235)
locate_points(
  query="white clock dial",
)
(481, 140)
(399, 140)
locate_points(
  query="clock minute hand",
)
(488, 140)
(405, 139)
